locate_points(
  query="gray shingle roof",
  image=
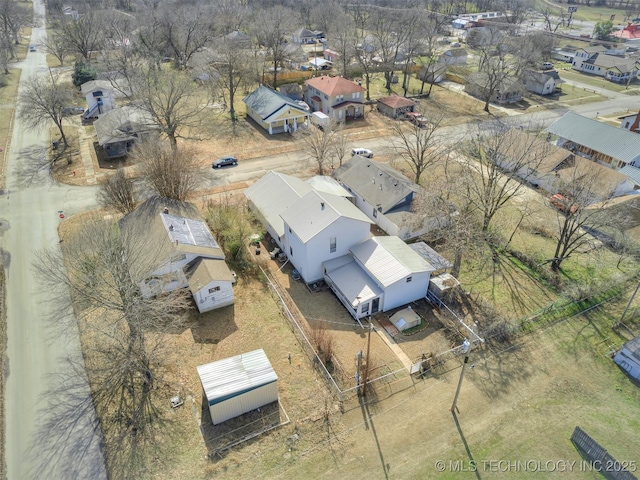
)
(612, 141)
(265, 102)
(376, 182)
(120, 124)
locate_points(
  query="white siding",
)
(401, 293)
(206, 301)
(244, 403)
(308, 258)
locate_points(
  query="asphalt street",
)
(51, 428)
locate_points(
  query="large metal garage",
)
(239, 384)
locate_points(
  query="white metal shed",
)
(239, 384)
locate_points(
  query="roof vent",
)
(322, 205)
(165, 211)
(171, 227)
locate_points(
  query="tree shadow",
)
(34, 167)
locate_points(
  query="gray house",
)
(509, 90)
(455, 56)
(542, 83)
(275, 112)
(120, 129)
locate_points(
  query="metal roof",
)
(233, 376)
(632, 173)
(273, 193)
(352, 281)
(188, 231)
(266, 102)
(322, 183)
(612, 141)
(389, 259)
(315, 211)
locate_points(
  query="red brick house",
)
(337, 97)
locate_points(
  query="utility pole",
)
(466, 349)
(367, 364)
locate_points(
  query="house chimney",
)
(165, 211)
(636, 124)
(321, 205)
(171, 227)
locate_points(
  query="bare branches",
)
(169, 173)
(118, 192)
(320, 144)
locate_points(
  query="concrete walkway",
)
(86, 144)
(395, 348)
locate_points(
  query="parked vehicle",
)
(32, 48)
(417, 119)
(562, 203)
(363, 152)
(224, 162)
(547, 66)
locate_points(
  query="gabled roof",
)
(432, 257)
(208, 270)
(239, 38)
(121, 124)
(389, 259)
(605, 179)
(611, 61)
(273, 193)
(152, 237)
(632, 173)
(267, 102)
(545, 156)
(322, 183)
(95, 85)
(334, 85)
(396, 101)
(379, 184)
(315, 211)
(539, 78)
(304, 32)
(233, 376)
(456, 52)
(594, 49)
(612, 141)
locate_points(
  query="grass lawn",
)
(599, 83)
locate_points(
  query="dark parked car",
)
(224, 161)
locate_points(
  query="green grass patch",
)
(598, 83)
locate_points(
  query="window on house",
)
(375, 213)
(409, 279)
(214, 289)
(332, 245)
(365, 308)
(326, 97)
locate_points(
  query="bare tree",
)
(84, 35)
(123, 355)
(233, 63)
(272, 27)
(421, 147)
(187, 29)
(54, 44)
(169, 173)
(43, 99)
(173, 101)
(13, 17)
(319, 145)
(341, 41)
(118, 192)
(585, 211)
(553, 19)
(340, 146)
(496, 162)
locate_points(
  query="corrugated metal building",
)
(239, 384)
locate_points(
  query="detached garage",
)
(239, 384)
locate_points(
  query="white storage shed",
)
(239, 384)
(405, 319)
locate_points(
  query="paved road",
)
(49, 413)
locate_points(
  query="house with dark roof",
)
(275, 112)
(386, 197)
(597, 141)
(542, 83)
(306, 36)
(169, 246)
(395, 106)
(337, 97)
(509, 90)
(120, 129)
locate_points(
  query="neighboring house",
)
(509, 91)
(455, 56)
(542, 83)
(275, 112)
(599, 61)
(434, 73)
(331, 55)
(120, 129)
(564, 54)
(395, 106)
(378, 275)
(602, 143)
(386, 197)
(604, 182)
(100, 96)
(628, 358)
(306, 36)
(337, 97)
(295, 56)
(292, 91)
(633, 174)
(239, 39)
(630, 122)
(169, 247)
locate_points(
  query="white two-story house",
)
(337, 97)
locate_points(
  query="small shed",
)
(394, 106)
(239, 384)
(628, 358)
(439, 284)
(405, 319)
